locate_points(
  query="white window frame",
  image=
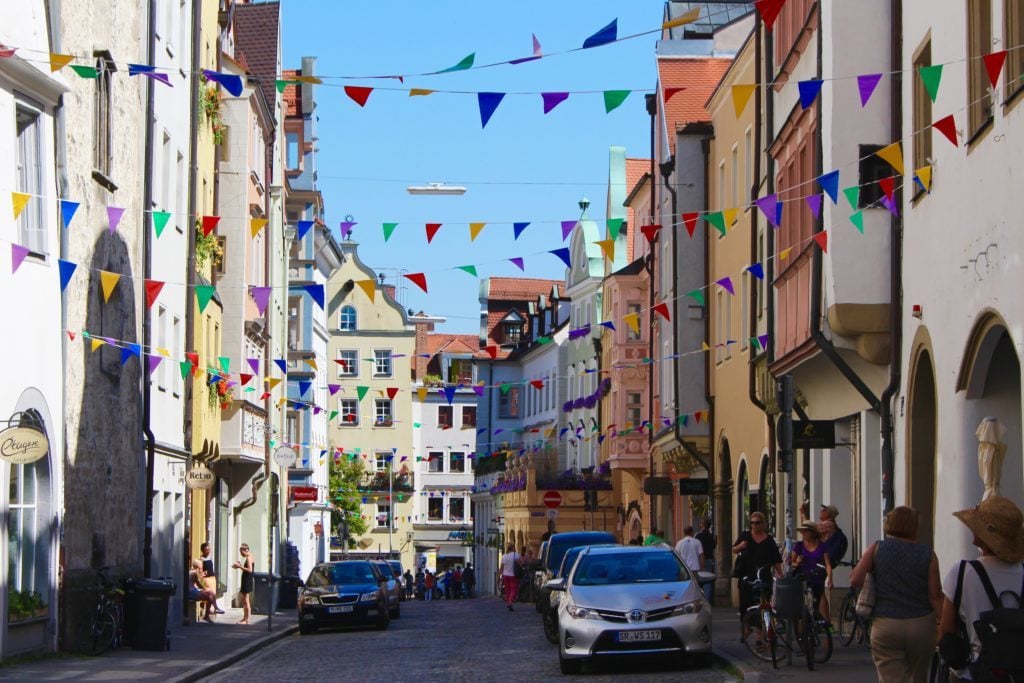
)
(745, 310)
(431, 459)
(354, 315)
(382, 510)
(29, 154)
(342, 411)
(735, 179)
(439, 518)
(748, 157)
(351, 367)
(452, 459)
(161, 342)
(383, 363)
(451, 517)
(378, 404)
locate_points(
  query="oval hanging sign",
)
(199, 477)
(285, 457)
(22, 445)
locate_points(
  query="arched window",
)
(28, 529)
(347, 319)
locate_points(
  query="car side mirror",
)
(705, 577)
(555, 585)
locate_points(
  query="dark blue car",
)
(346, 593)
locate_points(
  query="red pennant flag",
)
(888, 186)
(822, 239)
(669, 92)
(662, 310)
(265, 396)
(209, 223)
(244, 378)
(993, 65)
(71, 335)
(650, 231)
(698, 416)
(537, 383)
(947, 126)
(358, 93)
(492, 351)
(769, 11)
(392, 391)
(342, 363)
(193, 358)
(432, 229)
(153, 288)
(690, 219)
(419, 278)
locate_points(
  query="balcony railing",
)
(378, 481)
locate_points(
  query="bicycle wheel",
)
(848, 620)
(822, 643)
(101, 635)
(776, 645)
(753, 635)
(806, 638)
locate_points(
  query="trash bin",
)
(289, 589)
(145, 614)
(265, 592)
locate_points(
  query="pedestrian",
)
(908, 599)
(654, 538)
(996, 525)
(421, 584)
(198, 593)
(429, 584)
(708, 543)
(408, 584)
(209, 578)
(810, 561)
(836, 544)
(508, 575)
(690, 551)
(755, 550)
(469, 579)
(457, 582)
(248, 566)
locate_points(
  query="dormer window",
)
(347, 319)
(513, 333)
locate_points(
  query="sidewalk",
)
(848, 664)
(197, 650)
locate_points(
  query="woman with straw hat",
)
(997, 526)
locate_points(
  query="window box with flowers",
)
(25, 606)
(211, 103)
(209, 249)
(220, 394)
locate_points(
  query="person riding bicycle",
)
(754, 549)
(810, 560)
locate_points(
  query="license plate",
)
(339, 610)
(639, 636)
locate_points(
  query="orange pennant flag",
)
(257, 224)
(924, 176)
(688, 18)
(307, 79)
(730, 216)
(108, 281)
(59, 61)
(311, 362)
(893, 154)
(633, 320)
(474, 230)
(740, 96)
(420, 91)
(422, 393)
(704, 346)
(607, 248)
(369, 288)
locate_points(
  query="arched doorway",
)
(742, 496)
(921, 433)
(722, 509)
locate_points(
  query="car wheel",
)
(550, 619)
(306, 629)
(569, 666)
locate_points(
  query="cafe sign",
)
(22, 445)
(199, 477)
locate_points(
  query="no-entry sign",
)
(552, 499)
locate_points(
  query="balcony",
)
(378, 481)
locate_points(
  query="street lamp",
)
(436, 189)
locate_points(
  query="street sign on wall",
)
(552, 499)
(814, 434)
(694, 487)
(304, 493)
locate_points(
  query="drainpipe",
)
(768, 58)
(652, 109)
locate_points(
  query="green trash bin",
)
(146, 606)
(265, 592)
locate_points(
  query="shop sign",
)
(304, 493)
(285, 456)
(22, 445)
(199, 477)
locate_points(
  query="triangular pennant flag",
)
(931, 76)
(449, 394)
(209, 224)
(85, 71)
(690, 221)
(488, 102)
(993, 65)
(821, 238)
(609, 324)
(866, 84)
(97, 343)
(891, 205)
(604, 36)
(392, 392)
(726, 284)
(369, 287)
(420, 92)
(923, 176)
(537, 384)
(563, 254)
(466, 63)
(361, 392)
(852, 195)
(553, 99)
(567, 228)
(154, 363)
(809, 91)
(769, 11)
(346, 228)
(330, 418)
(272, 381)
(517, 229)
(193, 358)
(419, 279)
(185, 368)
(888, 186)
(474, 230)
(302, 227)
(633, 321)
(260, 296)
(203, 295)
(231, 82)
(504, 387)
(333, 388)
(254, 363)
(730, 216)
(432, 229)
(388, 229)
(492, 351)
(468, 269)
(607, 248)
(107, 283)
(717, 220)
(947, 126)
(763, 341)
(317, 292)
(669, 92)
(245, 378)
(19, 200)
(687, 18)
(153, 289)
(893, 155)
(225, 364)
(67, 269)
(697, 296)
(784, 254)
(650, 231)
(256, 224)
(421, 392)
(857, 219)
(282, 364)
(303, 388)
(814, 202)
(114, 214)
(358, 94)
(829, 182)
(614, 226)
(613, 99)
(757, 270)
(740, 96)
(160, 219)
(18, 254)
(59, 61)
(67, 211)
(769, 207)
(662, 310)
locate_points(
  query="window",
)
(634, 408)
(180, 214)
(435, 462)
(348, 409)
(101, 125)
(744, 309)
(27, 547)
(748, 165)
(383, 415)
(922, 113)
(167, 182)
(513, 333)
(979, 43)
(456, 509)
(161, 342)
(721, 185)
(176, 353)
(257, 259)
(728, 326)
(1013, 36)
(457, 462)
(635, 309)
(383, 515)
(349, 365)
(460, 371)
(719, 326)
(435, 509)
(872, 169)
(444, 416)
(760, 287)
(381, 461)
(219, 264)
(31, 233)
(735, 179)
(469, 415)
(294, 323)
(347, 319)
(508, 403)
(382, 362)
(292, 140)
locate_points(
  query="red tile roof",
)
(257, 37)
(521, 288)
(452, 343)
(292, 101)
(700, 76)
(635, 169)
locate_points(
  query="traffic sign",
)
(552, 499)
(552, 513)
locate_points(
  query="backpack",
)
(1000, 631)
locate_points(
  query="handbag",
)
(738, 570)
(866, 597)
(954, 648)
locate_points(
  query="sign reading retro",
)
(199, 477)
(22, 445)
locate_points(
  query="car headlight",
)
(689, 607)
(581, 612)
(369, 597)
(309, 600)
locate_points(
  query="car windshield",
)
(352, 573)
(567, 561)
(621, 568)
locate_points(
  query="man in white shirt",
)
(690, 551)
(508, 575)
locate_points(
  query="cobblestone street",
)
(447, 640)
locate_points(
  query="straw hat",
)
(833, 511)
(999, 524)
(809, 526)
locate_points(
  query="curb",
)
(740, 665)
(210, 668)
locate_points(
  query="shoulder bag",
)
(954, 648)
(865, 607)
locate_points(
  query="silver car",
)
(626, 600)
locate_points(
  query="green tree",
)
(344, 493)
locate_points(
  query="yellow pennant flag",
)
(422, 393)
(893, 154)
(199, 373)
(380, 392)
(307, 79)
(257, 224)
(420, 91)
(108, 281)
(688, 18)
(784, 254)
(59, 61)
(369, 288)
(474, 230)
(740, 96)
(730, 216)
(164, 352)
(311, 362)
(19, 200)
(704, 346)
(607, 248)
(633, 320)
(272, 382)
(281, 401)
(97, 343)
(924, 176)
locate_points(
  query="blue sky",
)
(525, 166)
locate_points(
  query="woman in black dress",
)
(247, 565)
(755, 549)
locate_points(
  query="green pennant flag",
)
(505, 386)
(203, 295)
(858, 221)
(225, 364)
(185, 368)
(361, 392)
(930, 76)
(416, 425)
(697, 295)
(755, 343)
(614, 226)
(853, 196)
(160, 219)
(85, 71)
(544, 340)
(388, 229)
(466, 63)
(247, 390)
(334, 414)
(469, 269)
(281, 85)
(717, 220)
(614, 98)
(683, 419)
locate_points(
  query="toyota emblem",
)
(637, 616)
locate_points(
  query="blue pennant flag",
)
(317, 292)
(67, 211)
(449, 394)
(604, 36)
(809, 91)
(563, 254)
(757, 270)
(518, 228)
(488, 101)
(304, 387)
(283, 364)
(303, 228)
(231, 82)
(67, 269)
(830, 184)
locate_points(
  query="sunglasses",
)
(757, 521)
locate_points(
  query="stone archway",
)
(723, 510)
(921, 445)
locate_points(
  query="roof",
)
(520, 288)
(635, 169)
(257, 36)
(700, 76)
(292, 98)
(452, 343)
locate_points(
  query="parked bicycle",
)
(759, 625)
(107, 628)
(805, 632)
(851, 624)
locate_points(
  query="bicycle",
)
(760, 626)
(809, 634)
(852, 624)
(106, 629)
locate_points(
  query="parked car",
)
(392, 586)
(549, 615)
(630, 600)
(552, 558)
(396, 569)
(350, 592)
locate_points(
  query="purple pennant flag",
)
(154, 362)
(889, 204)
(488, 102)
(814, 201)
(553, 99)
(769, 207)
(726, 284)
(563, 254)
(763, 341)
(114, 214)
(163, 78)
(18, 254)
(479, 391)
(261, 295)
(518, 260)
(866, 84)
(567, 227)
(333, 388)
(346, 228)
(254, 363)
